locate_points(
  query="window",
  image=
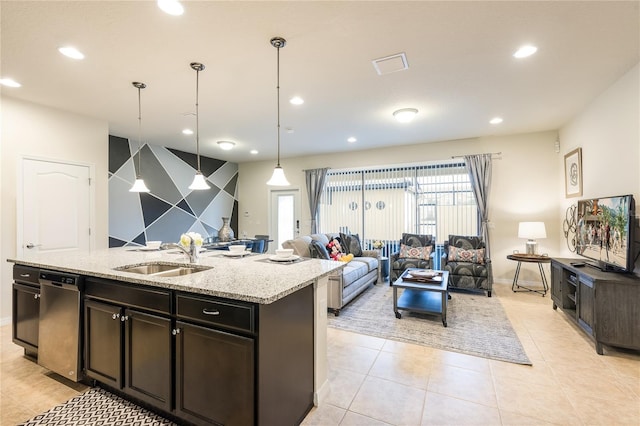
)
(380, 204)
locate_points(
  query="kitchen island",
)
(242, 342)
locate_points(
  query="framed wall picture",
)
(573, 173)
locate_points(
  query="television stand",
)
(603, 304)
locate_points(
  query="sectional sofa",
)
(355, 277)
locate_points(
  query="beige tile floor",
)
(381, 382)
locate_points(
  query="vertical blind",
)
(379, 204)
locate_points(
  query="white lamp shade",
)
(278, 178)
(199, 182)
(139, 186)
(532, 230)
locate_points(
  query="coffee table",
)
(423, 295)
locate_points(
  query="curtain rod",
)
(491, 153)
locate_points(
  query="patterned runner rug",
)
(476, 324)
(97, 407)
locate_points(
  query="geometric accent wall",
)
(170, 208)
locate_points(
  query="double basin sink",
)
(162, 269)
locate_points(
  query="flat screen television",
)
(604, 232)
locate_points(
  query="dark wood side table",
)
(529, 258)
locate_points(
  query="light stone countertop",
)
(251, 278)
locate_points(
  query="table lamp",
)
(531, 231)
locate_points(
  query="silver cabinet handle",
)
(175, 331)
(115, 316)
(31, 245)
(25, 275)
(36, 296)
(124, 318)
(208, 312)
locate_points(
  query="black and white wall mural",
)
(170, 208)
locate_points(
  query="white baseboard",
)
(322, 394)
(5, 321)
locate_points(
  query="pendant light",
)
(138, 185)
(199, 182)
(278, 178)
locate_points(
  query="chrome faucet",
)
(192, 252)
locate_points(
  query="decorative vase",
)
(225, 233)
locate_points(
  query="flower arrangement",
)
(185, 239)
(377, 244)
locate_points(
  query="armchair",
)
(416, 251)
(468, 265)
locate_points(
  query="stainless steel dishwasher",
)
(59, 330)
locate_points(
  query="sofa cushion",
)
(371, 262)
(299, 245)
(351, 244)
(352, 272)
(414, 252)
(318, 250)
(321, 238)
(461, 255)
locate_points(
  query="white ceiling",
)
(461, 70)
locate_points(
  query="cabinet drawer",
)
(26, 274)
(129, 295)
(228, 314)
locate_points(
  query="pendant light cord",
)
(278, 100)
(139, 133)
(197, 119)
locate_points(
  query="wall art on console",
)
(573, 173)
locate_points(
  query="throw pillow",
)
(351, 244)
(457, 254)
(318, 251)
(414, 252)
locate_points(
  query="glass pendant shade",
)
(199, 182)
(278, 178)
(139, 186)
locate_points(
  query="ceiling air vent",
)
(389, 64)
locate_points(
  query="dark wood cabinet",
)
(603, 304)
(103, 342)
(26, 309)
(214, 376)
(147, 358)
(128, 339)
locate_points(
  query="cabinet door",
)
(214, 376)
(147, 357)
(103, 342)
(26, 316)
(586, 306)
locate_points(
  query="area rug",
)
(476, 324)
(97, 407)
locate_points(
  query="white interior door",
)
(285, 216)
(54, 207)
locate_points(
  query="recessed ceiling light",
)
(71, 52)
(405, 115)
(496, 120)
(9, 82)
(172, 7)
(296, 100)
(351, 139)
(525, 51)
(289, 130)
(187, 132)
(226, 145)
(253, 151)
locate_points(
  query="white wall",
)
(34, 130)
(608, 131)
(525, 187)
